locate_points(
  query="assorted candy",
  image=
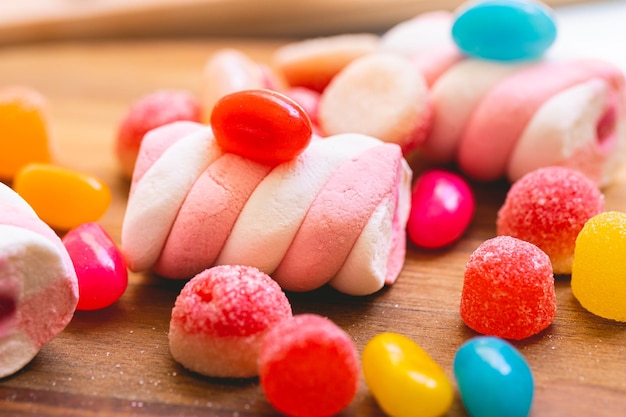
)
(261, 125)
(442, 207)
(504, 30)
(493, 378)
(100, 267)
(235, 321)
(508, 289)
(24, 130)
(62, 197)
(148, 112)
(599, 267)
(548, 207)
(404, 379)
(309, 367)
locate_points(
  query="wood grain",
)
(36, 20)
(115, 362)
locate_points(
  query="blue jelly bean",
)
(493, 378)
(504, 30)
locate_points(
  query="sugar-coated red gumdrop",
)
(309, 367)
(508, 289)
(549, 207)
(220, 318)
(261, 125)
(100, 267)
(149, 112)
(442, 207)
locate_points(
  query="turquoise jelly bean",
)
(504, 30)
(493, 378)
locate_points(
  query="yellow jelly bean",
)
(23, 130)
(599, 268)
(404, 379)
(62, 197)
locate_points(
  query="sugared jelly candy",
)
(548, 207)
(261, 125)
(493, 378)
(404, 379)
(24, 136)
(508, 289)
(599, 269)
(100, 267)
(504, 30)
(149, 112)
(309, 367)
(62, 197)
(442, 207)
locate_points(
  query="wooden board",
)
(35, 20)
(115, 362)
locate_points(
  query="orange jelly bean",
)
(61, 197)
(24, 134)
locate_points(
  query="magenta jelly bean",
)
(442, 207)
(99, 264)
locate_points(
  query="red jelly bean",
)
(309, 367)
(100, 267)
(261, 125)
(442, 207)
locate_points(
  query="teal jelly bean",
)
(493, 377)
(504, 30)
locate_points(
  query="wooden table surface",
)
(115, 362)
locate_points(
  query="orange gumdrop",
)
(61, 197)
(24, 134)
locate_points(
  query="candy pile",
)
(315, 147)
(41, 276)
(220, 207)
(234, 321)
(443, 88)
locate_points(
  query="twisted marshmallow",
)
(336, 214)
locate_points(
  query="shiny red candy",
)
(442, 207)
(261, 125)
(100, 267)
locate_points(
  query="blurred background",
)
(37, 20)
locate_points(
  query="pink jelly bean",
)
(100, 267)
(442, 207)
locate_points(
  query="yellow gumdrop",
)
(24, 134)
(404, 379)
(61, 197)
(599, 269)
